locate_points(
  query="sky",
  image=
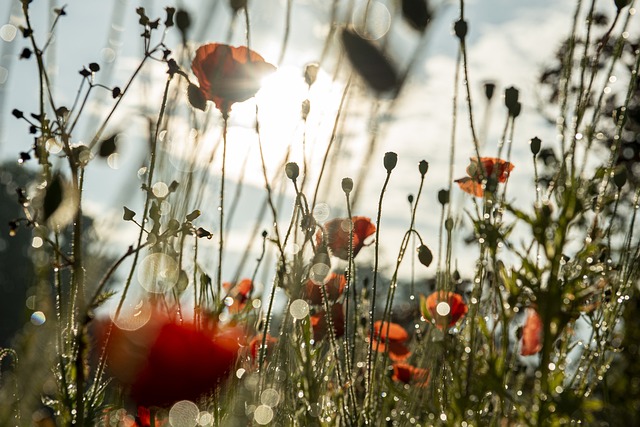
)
(509, 43)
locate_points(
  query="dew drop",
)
(263, 414)
(184, 414)
(38, 318)
(270, 397)
(299, 309)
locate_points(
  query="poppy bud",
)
(460, 28)
(347, 185)
(390, 161)
(443, 197)
(425, 256)
(489, 88)
(534, 144)
(311, 73)
(621, 4)
(511, 95)
(515, 112)
(17, 113)
(416, 13)
(116, 92)
(183, 20)
(236, 5)
(410, 198)
(196, 98)
(128, 214)
(292, 170)
(24, 157)
(423, 167)
(620, 176)
(94, 67)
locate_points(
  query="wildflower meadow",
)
(319, 213)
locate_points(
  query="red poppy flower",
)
(531, 334)
(334, 285)
(229, 74)
(240, 294)
(319, 322)
(165, 362)
(388, 336)
(443, 308)
(336, 235)
(409, 374)
(490, 167)
(256, 344)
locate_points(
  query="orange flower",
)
(409, 374)
(336, 235)
(165, 361)
(240, 294)
(443, 308)
(256, 344)
(491, 167)
(388, 336)
(334, 286)
(319, 322)
(228, 74)
(531, 334)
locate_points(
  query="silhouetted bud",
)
(347, 185)
(489, 89)
(264, 234)
(128, 214)
(460, 29)
(620, 176)
(193, 215)
(416, 13)
(84, 72)
(443, 197)
(390, 161)
(183, 20)
(24, 157)
(515, 112)
(425, 256)
(423, 167)
(170, 12)
(116, 92)
(410, 198)
(195, 97)
(236, 5)
(448, 224)
(311, 73)
(17, 113)
(201, 232)
(26, 53)
(621, 4)
(534, 144)
(511, 95)
(292, 170)
(94, 67)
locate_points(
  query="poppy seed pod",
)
(390, 161)
(511, 95)
(489, 89)
(534, 144)
(347, 185)
(443, 197)
(423, 167)
(292, 170)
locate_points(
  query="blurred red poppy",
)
(490, 167)
(336, 235)
(409, 374)
(334, 285)
(446, 315)
(240, 293)
(319, 322)
(531, 333)
(229, 74)
(166, 361)
(388, 336)
(256, 344)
